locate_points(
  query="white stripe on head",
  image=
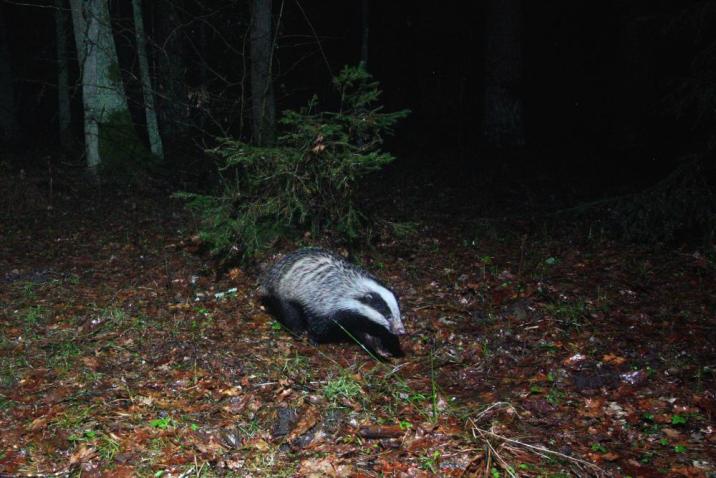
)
(369, 312)
(372, 286)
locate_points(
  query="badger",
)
(316, 291)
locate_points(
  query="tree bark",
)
(503, 121)
(171, 82)
(635, 82)
(64, 112)
(9, 126)
(110, 139)
(263, 105)
(155, 140)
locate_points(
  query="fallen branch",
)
(537, 449)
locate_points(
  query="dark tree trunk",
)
(64, 112)
(172, 97)
(365, 15)
(263, 107)
(9, 127)
(203, 70)
(635, 79)
(504, 112)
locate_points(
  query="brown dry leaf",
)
(687, 471)
(671, 433)
(210, 447)
(180, 306)
(319, 467)
(235, 405)
(235, 273)
(346, 402)
(91, 362)
(123, 471)
(307, 421)
(39, 423)
(392, 467)
(318, 145)
(83, 454)
(593, 407)
(232, 391)
(613, 359)
(283, 393)
(259, 444)
(144, 400)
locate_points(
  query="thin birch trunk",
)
(109, 132)
(155, 140)
(86, 32)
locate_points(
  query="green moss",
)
(125, 158)
(114, 74)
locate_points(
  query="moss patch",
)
(125, 158)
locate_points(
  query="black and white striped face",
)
(379, 305)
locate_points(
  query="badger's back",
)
(316, 279)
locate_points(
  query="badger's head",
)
(378, 304)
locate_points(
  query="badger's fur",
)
(319, 292)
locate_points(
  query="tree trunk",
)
(635, 82)
(504, 113)
(263, 106)
(9, 127)
(64, 112)
(171, 82)
(365, 15)
(155, 140)
(110, 139)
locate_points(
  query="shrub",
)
(309, 180)
(683, 205)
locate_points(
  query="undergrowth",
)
(307, 182)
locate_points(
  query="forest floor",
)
(529, 354)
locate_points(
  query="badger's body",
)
(319, 292)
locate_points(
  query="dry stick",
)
(537, 448)
(500, 460)
(494, 405)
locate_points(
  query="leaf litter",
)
(122, 354)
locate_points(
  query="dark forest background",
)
(613, 95)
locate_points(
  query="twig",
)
(505, 466)
(540, 450)
(494, 405)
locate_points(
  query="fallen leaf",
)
(613, 359)
(305, 423)
(83, 454)
(91, 362)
